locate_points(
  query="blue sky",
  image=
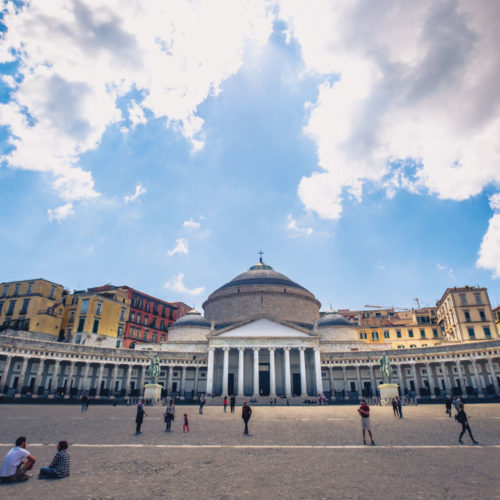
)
(165, 148)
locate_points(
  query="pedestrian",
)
(456, 403)
(461, 417)
(202, 403)
(185, 426)
(225, 403)
(364, 411)
(169, 415)
(400, 406)
(140, 416)
(246, 413)
(59, 467)
(232, 402)
(17, 463)
(395, 407)
(85, 402)
(447, 404)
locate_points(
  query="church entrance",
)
(264, 380)
(296, 384)
(230, 384)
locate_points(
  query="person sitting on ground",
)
(17, 462)
(59, 467)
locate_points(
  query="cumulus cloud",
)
(177, 284)
(181, 247)
(77, 58)
(489, 252)
(191, 224)
(445, 269)
(139, 191)
(409, 98)
(61, 213)
(294, 230)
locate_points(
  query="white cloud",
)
(78, 58)
(445, 269)
(409, 99)
(177, 284)
(489, 252)
(139, 191)
(180, 247)
(61, 213)
(380, 266)
(294, 230)
(191, 224)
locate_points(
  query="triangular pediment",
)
(264, 328)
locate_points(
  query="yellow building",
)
(96, 316)
(402, 336)
(465, 315)
(33, 306)
(496, 316)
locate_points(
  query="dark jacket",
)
(246, 413)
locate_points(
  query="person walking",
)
(456, 403)
(225, 403)
(246, 413)
(447, 404)
(395, 407)
(140, 416)
(17, 463)
(85, 402)
(202, 403)
(232, 403)
(169, 415)
(185, 426)
(364, 412)
(400, 406)
(461, 417)
(59, 467)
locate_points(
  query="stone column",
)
(358, 378)
(128, 378)
(38, 376)
(141, 379)
(241, 371)
(463, 382)
(344, 376)
(432, 389)
(446, 377)
(170, 382)
(272, 373)
(493, 376)
(288, 385)
(114, 374)
(225, 370)
(22, 375)
(85, 377)
(99, 379)
(183, 380)
(374, 382)
(317, 366)
(256, 391)
(196, 380)
(70, 378)
(401, 379)
(55, 376)
(303, 381)
(4, 380)
(478, 380)
(210, 371)
(332, 382)
(415, 378)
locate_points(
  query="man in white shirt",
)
(17, 462)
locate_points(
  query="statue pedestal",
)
(387, 393)
(152, 394)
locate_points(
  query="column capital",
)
(271, 349)
(226, 348)
(241, 349)
(286, 348)
(256, 348)
(211, 349)
(302, 348)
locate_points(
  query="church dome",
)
(331, 318)
(262, 291)
(192, 318)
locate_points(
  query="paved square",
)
(292, 452)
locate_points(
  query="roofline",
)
(33, 279)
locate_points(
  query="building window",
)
(398, 334)
(374, 335)
(12, 304)
(74, 301)
(24, 309)
(119, 333)
(138, 317)
(386, 335)
(5, 290)
(410, 334)
(30, 287)
(118, 343)
(463, 299)
(487, 332)
(467, 316)
(477, 295)
(85, 306)
(162, 337)
(154, 337)
(422, 333)
(98, 308)
(147, 306)
(95, 327)
(68, 330)
(412, 345)
(146, 320)
(132, 316)
(52, 292)
(482, 315)
(1, 307)
(122, 314)
(71, 315)
(16, 290)
(472, 335)
(155, 309)
(362, 335)
(435, 333)
(146, 335)
(81, 323)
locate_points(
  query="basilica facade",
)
(260, 334)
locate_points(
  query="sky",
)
(162, 144)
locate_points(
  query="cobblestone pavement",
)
(292, 452)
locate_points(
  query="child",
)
(185, 427)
